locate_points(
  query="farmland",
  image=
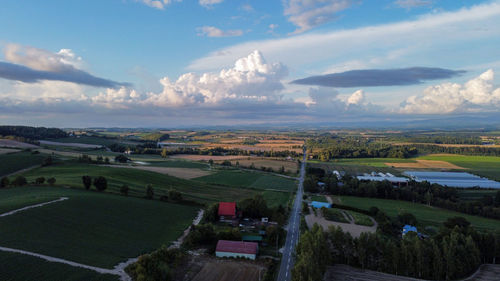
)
(69, 174)
(486, 166)
(257, 180)
(425, 215)
(13, 162)
(18, 267)
(93, 228)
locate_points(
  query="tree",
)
(40, 180)
(87, 181)
(121, 158)
(51, 181)
(164, 152)
(174, 195)
(4, 182)
(212, 213)
(124, 189)
(456, 221)
(407, 218)
(19, 181)
(100, 183)
(150, 191)
(497, 198)
(106, 160)
(211, 162)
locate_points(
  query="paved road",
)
(287, 259)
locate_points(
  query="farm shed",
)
(408, 228)
(236, 249)
(227, 211)
(319, 205)
(252, 238)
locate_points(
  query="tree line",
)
(418, 192)
(455, 252)
(32, 133)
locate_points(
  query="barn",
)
(227, 211)
(236, 249)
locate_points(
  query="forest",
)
(32, 133)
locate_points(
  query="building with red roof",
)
(237, 249)
(227, 211)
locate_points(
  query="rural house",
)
(227, 211)
(236, 249)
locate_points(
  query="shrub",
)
(20, 181)
(51, 181)
(87, 181)
(40, 180)
(4, 182)
(100, 183)
(174, 195)
(164, 198)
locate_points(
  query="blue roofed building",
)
(319, 205)
(410, 228)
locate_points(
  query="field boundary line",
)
(116, 271)
(22, 171)
(33, 206)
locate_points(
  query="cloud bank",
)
(409, 4)
(379, 77)
(32, 65)
(476, 95)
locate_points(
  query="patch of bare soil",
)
(354, 229)
(207, 157)
(426, 164)
(183, 173)
(342, 272)
(486, 272)
(229, 270)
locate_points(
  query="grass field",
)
(290, 166)
(88, 140)
(255, 180)
(18, 267)
(69, 174)
(179, 164)
(333, 215)
(425, 215)
(93, 228)
(276, 198)
(486, 166)
(360, 219)
(13, 162)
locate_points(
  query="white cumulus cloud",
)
(475, 95)
(40, 59)
(356, 98)
(157, 4)
(212, 31)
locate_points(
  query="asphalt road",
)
(292, 237)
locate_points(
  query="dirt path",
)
(354, 229)
(486, 272)
(196, 221)
(22, 171)
(33, 206)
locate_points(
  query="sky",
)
(182, 63)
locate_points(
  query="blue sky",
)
(172, 63)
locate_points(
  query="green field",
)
(257, 180)
(486, 166)
(19, 267)
(276, 198)
(360, 219)
(333, 215)
(179, 164)
(425, 215)
(13, 162)
(70, 174)
(88, 140)
(93, 228)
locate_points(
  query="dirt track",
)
(426, 164)
(354, 229)
(17, 144)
